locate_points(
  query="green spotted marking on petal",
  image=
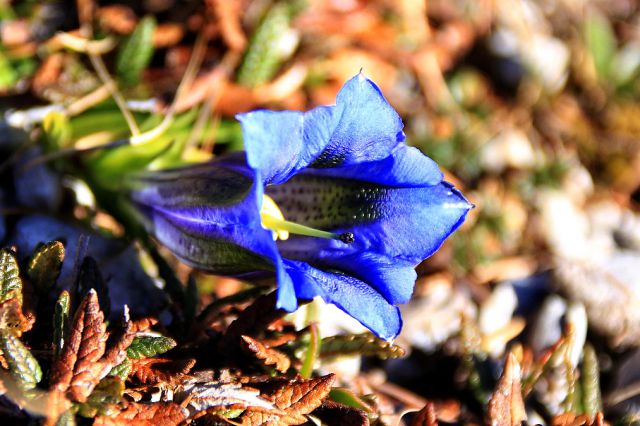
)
(310, 201)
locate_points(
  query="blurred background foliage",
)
(530, 107)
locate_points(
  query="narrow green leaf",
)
(122, 370)
(273, 42)
(350, 399)
(60, 321)
(45, 265)
(591, 398)
(148, 346)
(109, 167)
(22, 364)
(136, 52)
(601, 43)
(359, 344)
(312, 351)
(10, 282)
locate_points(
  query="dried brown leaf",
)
(12, 318)
(333, 413)
(254, 319)
(167, 34)
(267, 355)
(506, 406)
(118, 18)
(157, 414)
(84, 359)
(572, 419)
(143, 324)
(426, 416)
(215, 395)
(294, 400)
(74, 371)
(151, 371)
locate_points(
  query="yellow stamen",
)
(273, 219)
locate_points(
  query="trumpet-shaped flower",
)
(331, 202)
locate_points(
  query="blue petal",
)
(361, 127)
(392, 278)
(407, 224)
(353, 296)
(368, 129)
(405, 167)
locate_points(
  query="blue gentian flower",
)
(330, 201)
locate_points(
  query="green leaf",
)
(601, 43)
(57, 129)
(590, 378)
(60, 321)
(8, 76)
(148, 346)
(109, 167)
(68, 418)
(273, 42)
(106, 394)
(10, 282)
(122, 370)
(45, 265)
(136, 52)
(359, 344)
(350, 399)
(22, 364)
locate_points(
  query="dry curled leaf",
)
(252, 321)
(158, 414)
(506, 406)
(333, 413)
(84, 360)
(228, 16)
(12, 318)
(151, 371)
(143, 324)
(426, 416)
(572, 419)
(203, 396)
(293, 402)
(267, 355)
(118, 18)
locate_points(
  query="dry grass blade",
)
(158, 414)
(267, 355)
(506, 406)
